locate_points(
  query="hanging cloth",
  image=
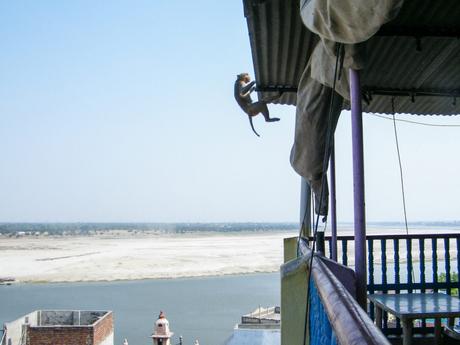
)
(347, 21)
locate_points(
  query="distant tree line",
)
(88, 228)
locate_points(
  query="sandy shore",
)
(100, 258)
(120, 255)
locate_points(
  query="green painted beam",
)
(293, 295)
(290, 248)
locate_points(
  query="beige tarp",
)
(307, 153)
(347, 21)
(351, 23)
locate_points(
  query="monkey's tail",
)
(252, 126)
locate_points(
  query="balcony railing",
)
(322, 310)
(406, 263)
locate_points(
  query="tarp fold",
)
(350, 23)
(347, 21)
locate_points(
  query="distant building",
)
(60, 327)
(262, 318)
(261, 327)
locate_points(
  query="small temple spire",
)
(162, 334)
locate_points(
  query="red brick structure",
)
(61, 328)
(59, 335)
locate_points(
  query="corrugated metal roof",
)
(415, 58)
(280, 44)
(440, 15)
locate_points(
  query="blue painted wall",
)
(321, 332)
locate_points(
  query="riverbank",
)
(127, 255)
(111, 257)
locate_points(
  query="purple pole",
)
(305, 208)
(333, 204)
(358, 187)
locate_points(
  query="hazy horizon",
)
(236, 223)
(120, 111)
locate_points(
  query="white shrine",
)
(162, 334)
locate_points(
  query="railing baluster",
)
(434, 259)
(329, 241)
(447, 264)
(409, 264)
(458, 265)
(344, 252)
(421, 247)
(383, 249)
(370, 245)
(397, 274)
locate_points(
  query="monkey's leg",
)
(252, 125)
(261, 107)
(266, 114)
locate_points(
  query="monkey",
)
(243, 89)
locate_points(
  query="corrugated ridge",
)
(281, 46)
(438, 13)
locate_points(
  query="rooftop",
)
(63, 318)
(261, 318)
(71, 322)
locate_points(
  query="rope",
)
(412, 122)
(323, 176)
(302, 223)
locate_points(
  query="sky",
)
(116, 111)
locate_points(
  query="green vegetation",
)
(453, 278)
(57, 229)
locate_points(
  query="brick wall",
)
(59, 336)
(71, 335)
(103, 328)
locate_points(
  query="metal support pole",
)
(305, 208)
(358, 187)
(320, 245)
(333, 204)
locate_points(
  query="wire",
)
(401, 175)
(413, 122)
(323, 176)
(400, 164)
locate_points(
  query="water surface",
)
(197, 308)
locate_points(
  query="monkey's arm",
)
(252, 126)
(247, 89)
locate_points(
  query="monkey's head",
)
(244, 77)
